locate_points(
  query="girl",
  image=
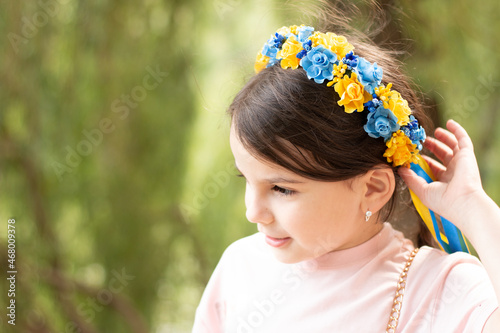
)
(324, 135)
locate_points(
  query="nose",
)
(257, 207)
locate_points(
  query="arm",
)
(485, 237)
(460, 198)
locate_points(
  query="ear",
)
(378, 186)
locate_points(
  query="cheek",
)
(247, 195)
(310, 219)
(336, 212)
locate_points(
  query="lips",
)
(274, 241)
(277, 242)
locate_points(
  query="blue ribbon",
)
(456, 240)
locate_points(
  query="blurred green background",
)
(114, 155)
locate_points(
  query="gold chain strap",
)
(398, 299)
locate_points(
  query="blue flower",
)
(318, 64)
(271, 48)
(372, 104)
(270, 51)
(278, 40)
(369, 75)
(381, 123)
(306, 47)
(272, 61)
(304, 33)
(273, 44)
(350, 60)
(415, 132)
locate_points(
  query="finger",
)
(447, 138)
(429, 194)
(415, 183)
(442, 151)
(437, 168)
(463, 139)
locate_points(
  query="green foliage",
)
(455, 60)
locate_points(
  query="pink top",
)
(345, 291)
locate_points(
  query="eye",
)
(282, 190)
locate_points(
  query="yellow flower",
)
(400, 151)
(284, 30)
(393, 101)
(337, 44)
(383, 94)
(352, 94)
(339, 70)
(399, 106)
(260, 62)
(293, 29)
(288, 53)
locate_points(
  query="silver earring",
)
(368, 214)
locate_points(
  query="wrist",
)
(481, 218)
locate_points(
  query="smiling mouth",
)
(277, 242)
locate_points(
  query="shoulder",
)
(227, 281)
(442, 288)
(456, 274)
(441, 269)
(431, 260)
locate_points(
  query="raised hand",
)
(458, 192)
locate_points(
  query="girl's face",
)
(302, 218)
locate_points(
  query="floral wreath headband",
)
(327, 56)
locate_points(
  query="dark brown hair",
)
(282, 117)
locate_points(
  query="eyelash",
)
(282, 191)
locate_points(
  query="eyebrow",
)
(275, 179)
(283, 180)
